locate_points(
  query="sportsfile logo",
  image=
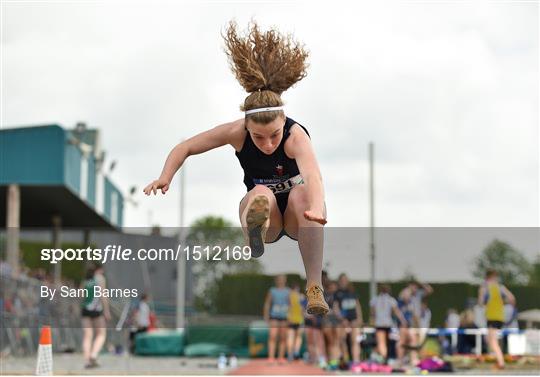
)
(120, 253)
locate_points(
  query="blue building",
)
(57, 173)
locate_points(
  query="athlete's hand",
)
(314, 216)
(156, 185)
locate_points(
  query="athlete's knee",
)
(261, 189)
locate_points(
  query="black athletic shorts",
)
(315, 323)
(494, 325)
(282, 200)
(280, 320)
(294, 326)
(331, 320)
(385, 329)
(91, 313)
(350, 317)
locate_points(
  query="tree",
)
(221, 237)
(512, 266)
(534, 278)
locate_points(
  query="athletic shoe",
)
(332, 365)
(256, 219)
(355, 367)
(92, 363)
(316, 304)
(322, 364)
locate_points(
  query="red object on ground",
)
(264, 367)
(45, 337)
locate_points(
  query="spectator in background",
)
(382, 308)
(141, 320)
(314, 336)
(452, 319)
(314, 339)
(408, 334)
(350, 314)
(95, 314)
(466, 342)
(492, 294)
(424, 321)
(330, 324)
(297, 303)
(451, 323)
(276, 308)
(417, 293)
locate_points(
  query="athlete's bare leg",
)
(273, 339)
(88, 337)
(493, 343)
(355, 346)
(282, 341)
(308, 233)
(381, 336)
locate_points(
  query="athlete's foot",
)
(316, 304)
(257, 224)
(92, 363)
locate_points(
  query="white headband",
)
(264, 109)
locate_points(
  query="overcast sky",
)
(447, 91)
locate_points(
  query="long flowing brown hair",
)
(266, 64)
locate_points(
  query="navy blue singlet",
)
(347, 304)
(276, 171)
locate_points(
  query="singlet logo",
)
(280, 185)
(279, 170)
(348, 304)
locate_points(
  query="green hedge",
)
(243, 294)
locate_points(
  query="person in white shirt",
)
(143, 314)
(382, 307)
(452, 322)
(425, 316)
(141, 320)
(452, 319)
(417, 292)
(424, 322)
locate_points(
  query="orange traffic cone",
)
(44, 360)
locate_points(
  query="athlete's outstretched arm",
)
(302, 151)
(509, 296)
(203, 142)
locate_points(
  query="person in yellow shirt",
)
(297, 304)
(493, 295)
